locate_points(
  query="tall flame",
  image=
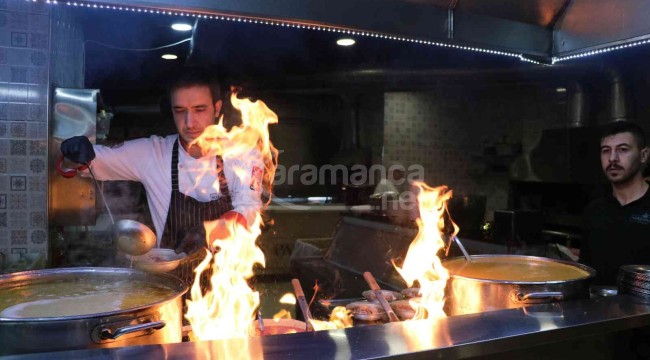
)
(227, 308)
(240, 141)
(421, 262)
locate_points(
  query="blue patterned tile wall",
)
(24, 62)
(27, 68)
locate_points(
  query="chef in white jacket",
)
(184, 188)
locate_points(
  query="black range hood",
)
(541, 29)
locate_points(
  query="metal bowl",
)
(158, 260)
(133, 238)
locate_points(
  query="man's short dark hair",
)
(193, 76)
(619, 127)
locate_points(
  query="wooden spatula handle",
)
(371, 281)
(297, 289)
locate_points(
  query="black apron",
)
(184, 224)
(184, 229)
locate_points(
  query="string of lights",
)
(525, 59)
(555, 60)
(339, 30)
(286, 24)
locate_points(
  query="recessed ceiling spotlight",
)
(345, 42)
(181, 27)
(169, 57)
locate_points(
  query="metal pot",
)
(155, 323)
(465, 295)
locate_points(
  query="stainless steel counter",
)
(484, 334)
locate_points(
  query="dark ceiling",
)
(242, 53)
(542, 29)
(265, 56)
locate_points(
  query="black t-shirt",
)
(615, 235)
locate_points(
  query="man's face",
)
(621, 158)
(193, 111)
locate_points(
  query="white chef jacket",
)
(148, 160)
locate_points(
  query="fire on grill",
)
(228, 309)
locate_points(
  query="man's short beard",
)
(627, 176)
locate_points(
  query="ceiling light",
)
(345, 42)
(169, 57)
(560, 89)
(181, 27)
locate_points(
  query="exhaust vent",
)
(618, 107)
(577, 106)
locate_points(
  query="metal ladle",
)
(460, 245)
(130, 236)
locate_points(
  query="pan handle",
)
(542, 296)
(107, 334)
(112, 334)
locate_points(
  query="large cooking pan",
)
(549, 280)
(152, 323)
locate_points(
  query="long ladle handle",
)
(456, 240)
(462, 248)
(101, 193)
(304, 307)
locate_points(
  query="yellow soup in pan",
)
(74, 297)
(514, 269)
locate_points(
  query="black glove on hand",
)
(78, 149)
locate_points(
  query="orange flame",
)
(288, 298)
(421, 335)
(282, 314)
(468, 294)
(421, 262)
(237, 349)
(340, 318)
(249, 139)
(227, 308)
